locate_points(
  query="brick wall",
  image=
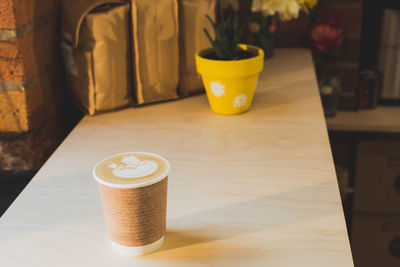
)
(34, 110)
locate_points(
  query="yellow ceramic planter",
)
(230, 84)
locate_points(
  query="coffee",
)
(132, 169)
(133, 190)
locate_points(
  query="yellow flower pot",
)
(230, 84)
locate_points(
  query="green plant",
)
(227, 36)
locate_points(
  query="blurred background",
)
(356, 51)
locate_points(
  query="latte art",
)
(132, 167)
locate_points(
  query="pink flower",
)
(326, 36)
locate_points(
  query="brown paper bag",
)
(156, 51)
(192, 20)
(96, 52)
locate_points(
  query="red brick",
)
(23, 111)
(16, 13)
(9, 50)
(42, 40)
(7, 16)
(13, 112)
(43, 97)
(32, 122)
(22, 59)
(12, 70)
(35, 62)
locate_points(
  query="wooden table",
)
(258, 189)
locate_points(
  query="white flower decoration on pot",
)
(240, 101)
(217, 89)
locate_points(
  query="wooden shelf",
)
(381, 119)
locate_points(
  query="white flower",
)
(239, 101)
(217, 89)
(287, 9)
(292, 10)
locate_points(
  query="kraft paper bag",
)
(192, 20)
(96, 37)
(156, 50)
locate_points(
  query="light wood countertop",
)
(257, 189)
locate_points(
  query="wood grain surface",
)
(257, 189)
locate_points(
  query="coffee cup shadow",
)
(176, 239)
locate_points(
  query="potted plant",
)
(229, 70)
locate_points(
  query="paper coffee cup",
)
(133, 189)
